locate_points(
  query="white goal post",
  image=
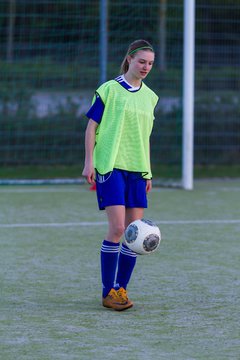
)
(188, 94)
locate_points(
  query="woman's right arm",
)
(90, 138)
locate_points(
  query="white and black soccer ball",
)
(142, 236)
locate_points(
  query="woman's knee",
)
(117, 230)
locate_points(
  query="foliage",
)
(46, 18)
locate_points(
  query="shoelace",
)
(113, 295)
(116, 296)
(122, 293)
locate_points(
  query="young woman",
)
(117, 157)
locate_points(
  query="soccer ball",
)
(142, 236)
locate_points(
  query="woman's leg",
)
(133, 214)
(116, 222)
(110, 246)
(127, 258)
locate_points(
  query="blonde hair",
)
(133, 48)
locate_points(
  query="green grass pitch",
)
(186, 295)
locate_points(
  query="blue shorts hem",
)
(121, 187)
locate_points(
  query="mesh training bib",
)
(122, 138)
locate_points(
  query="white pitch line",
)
(70, 224)
(183, 222)
(100, 223)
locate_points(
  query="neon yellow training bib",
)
(122, 138)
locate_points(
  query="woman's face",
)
(141, 64)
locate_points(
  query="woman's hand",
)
(148, 185)
(89, 174)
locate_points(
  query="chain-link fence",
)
(50, 67)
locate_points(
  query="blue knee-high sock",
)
(126, 263)
(109, 259)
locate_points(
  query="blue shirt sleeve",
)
(96, 110)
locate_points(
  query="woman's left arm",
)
(149, 182)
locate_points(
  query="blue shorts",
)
(121, 187)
